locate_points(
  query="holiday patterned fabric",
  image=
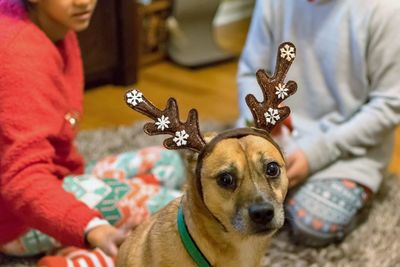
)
(322, 212)
(130, 185)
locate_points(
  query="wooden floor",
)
(211, 90)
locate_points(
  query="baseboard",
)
(233, 10)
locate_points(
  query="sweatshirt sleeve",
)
(255, 55)
(381, 114)
(30, 125)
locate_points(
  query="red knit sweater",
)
(39, 83)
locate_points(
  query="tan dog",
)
(233, 202)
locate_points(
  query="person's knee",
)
(170, 169)
(173, 156)
(320, 223)
(308, 229)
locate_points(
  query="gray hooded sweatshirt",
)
(348, 73)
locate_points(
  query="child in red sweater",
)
(45, 199)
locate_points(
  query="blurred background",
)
(181, 48)
(185, 49)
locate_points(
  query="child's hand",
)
(297, 167)
(107, 238)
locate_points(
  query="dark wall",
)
(110, 46)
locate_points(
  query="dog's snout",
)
(261, 213)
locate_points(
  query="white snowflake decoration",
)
(287, 52)
(272, 116)
(162, 123)
(134, 97)
(281, 91)
(181, 138)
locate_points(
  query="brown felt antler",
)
(185, 135)
(269, 113)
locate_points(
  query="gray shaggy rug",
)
(375, 243)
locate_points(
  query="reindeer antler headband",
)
(267, 114)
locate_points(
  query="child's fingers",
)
(111, 244)
(119, 238)
(294, 175)
(292, 171)
(290, 160)
(128, 225)
(293, 182)
(112, 250)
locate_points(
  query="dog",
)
(233, 202)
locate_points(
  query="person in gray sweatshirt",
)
(345, 110)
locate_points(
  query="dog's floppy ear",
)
(184, 134)
(191, 157)
(269, 113)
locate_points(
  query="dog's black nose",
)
(261, 213)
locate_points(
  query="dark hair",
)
(26, 3)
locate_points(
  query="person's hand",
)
(108, 238)
(297, 168)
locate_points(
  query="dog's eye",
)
(226, 180)
(272, 170)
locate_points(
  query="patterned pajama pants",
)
(325, 211)
(121, 187)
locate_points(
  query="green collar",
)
(189, 243)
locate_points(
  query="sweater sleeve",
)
(376, 118)
(31, 125)
(255, 55)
